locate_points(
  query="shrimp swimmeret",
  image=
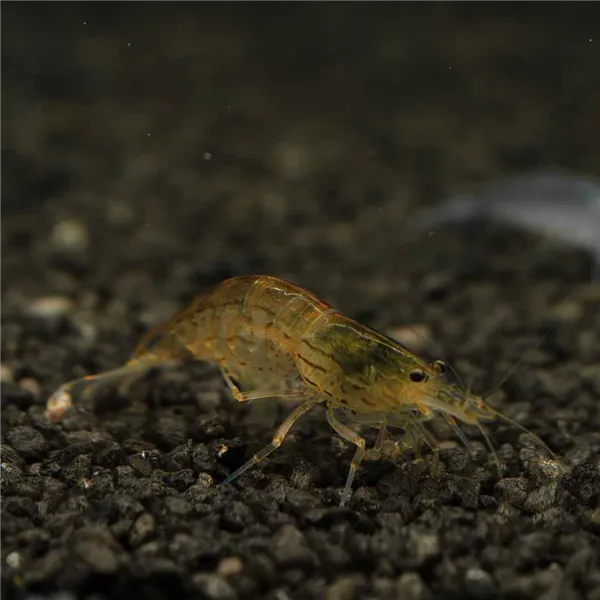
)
(271, 338)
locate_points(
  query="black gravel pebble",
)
(151, 152)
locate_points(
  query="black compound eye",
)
(417, 376)
(441, 367)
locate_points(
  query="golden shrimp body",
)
(250, 326)
(272, 338)
(268, 334)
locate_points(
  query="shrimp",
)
(271, 338)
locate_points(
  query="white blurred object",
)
(563, 207)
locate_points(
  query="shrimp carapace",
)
(271, 338)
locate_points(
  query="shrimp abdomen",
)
(256, 341)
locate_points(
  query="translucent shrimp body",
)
(272, 338)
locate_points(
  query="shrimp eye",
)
(417, 376)
(440, 367)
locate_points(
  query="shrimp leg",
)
(375, 452)
(351, 436)
(280, 434)
(433, 445)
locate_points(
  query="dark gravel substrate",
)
(150, 151)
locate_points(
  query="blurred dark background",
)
(287, 138)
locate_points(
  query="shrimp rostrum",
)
(271, 338)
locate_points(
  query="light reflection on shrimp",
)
(271, 338)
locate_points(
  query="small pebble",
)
(205, 480)
(27, 441)
(96, 547)
(70, 235)
(120, 213)
(13, 560)
(31, 385)
(213, 587)
(50, 307)
(343, 588)
(290, 546)
(424, 546)
(6, 374)
(410, 586)
(231, 565)
(142, 530)
(513, 490)
(237, 517)
(479, 583)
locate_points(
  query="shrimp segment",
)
(271, 338)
